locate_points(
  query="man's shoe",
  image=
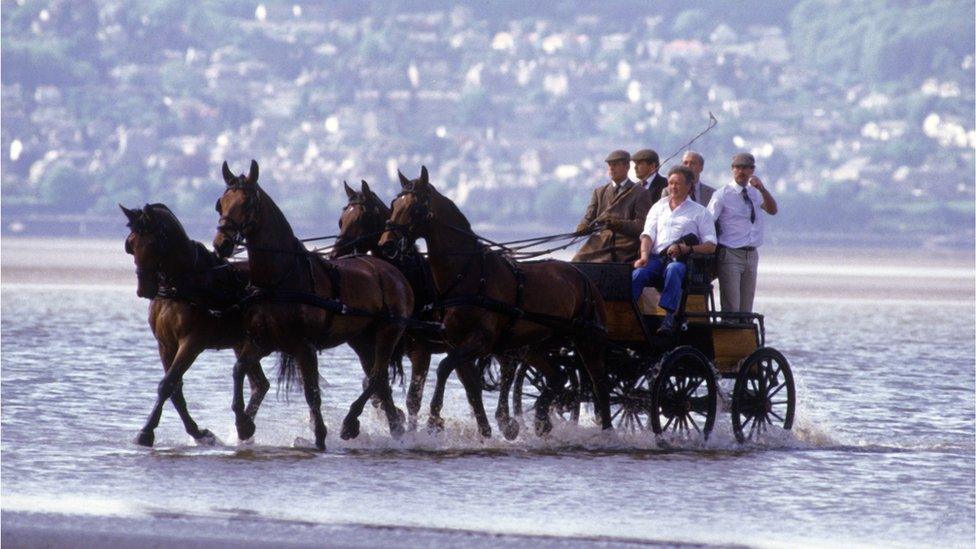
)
(667, 325)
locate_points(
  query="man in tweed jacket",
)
(615, 216)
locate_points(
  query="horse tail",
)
(288, 374)
(396, 361)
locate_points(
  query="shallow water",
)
(882, 452)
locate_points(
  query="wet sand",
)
(45, 530)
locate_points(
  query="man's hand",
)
(583, 228)
(757, 183)
(613, 223)
(642, 262)
(674, 251)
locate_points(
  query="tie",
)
(752, 209)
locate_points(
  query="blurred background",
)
(861, 114)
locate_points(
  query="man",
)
(646, 165)
(675, 228)
(735, 208)
(616, 211)
(700, 192)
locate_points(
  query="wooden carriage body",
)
(724, 339)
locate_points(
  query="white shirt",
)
(731, 212)
(664, 226)
(625, 184)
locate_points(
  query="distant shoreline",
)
(798, 272)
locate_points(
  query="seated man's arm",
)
(706, 233)
(590, 214)
(645, 251)
(633, 227)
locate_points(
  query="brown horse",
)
(187, 284)
(492, 304)
(362, 222)
(305, 303)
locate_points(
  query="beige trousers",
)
(737, 279)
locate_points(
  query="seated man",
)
(615, 216)
(675, 227)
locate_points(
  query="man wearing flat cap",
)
(615, 216)
(646, 165)
(738, 211)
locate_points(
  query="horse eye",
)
(217, 206)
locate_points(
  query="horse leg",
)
(375, 351)
(308, 364)
(175, 365)
(470, 377)
(591, 352)
(508, 426)
(248, 365)
(419, 365)
(554, 383)
(444, 369)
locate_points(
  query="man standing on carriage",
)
(615, 216)
(675, 228)
(735, 208)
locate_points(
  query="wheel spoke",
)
(668, 424)
(777, 416)
(692, 388)
(692, 420)
(775, 403)
(776, 390)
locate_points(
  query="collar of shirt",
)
(625, 184)
(646, 183)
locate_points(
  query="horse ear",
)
(349, 192)
(424, 178)
(252, 175)
(228, 175)
(131, 215)
(404, 182)
(365, 187)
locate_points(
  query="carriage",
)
(673, 385)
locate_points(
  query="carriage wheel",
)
(631, 403)
(759, 400)
(529, 384)
(491, 373)
(684, 394)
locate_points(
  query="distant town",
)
(511, 108)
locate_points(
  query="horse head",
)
(412, 212)
(361, 223)
(155, 237)
(239, 208)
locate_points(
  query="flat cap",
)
(646, 155)
(744, 159)
(618, 154)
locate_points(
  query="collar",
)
(625, 184)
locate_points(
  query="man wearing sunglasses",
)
(739, 221)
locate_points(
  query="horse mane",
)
(267, 201)
(447, 203)
(171, 224)
(374, 199)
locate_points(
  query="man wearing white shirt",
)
(736, 209)
(675, 227)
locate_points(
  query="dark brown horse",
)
(187, 285)
(305, 303)
(492, 304)
(362, 222)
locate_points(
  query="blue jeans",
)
(673, 275)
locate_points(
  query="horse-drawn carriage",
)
(565, 334)
(674, 384)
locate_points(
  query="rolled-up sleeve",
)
(650, 224)
(706, 226)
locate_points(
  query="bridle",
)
(419, 210)
(231, 229)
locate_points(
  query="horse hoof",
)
(206, 438)
(509, 429)
(485, 431)
(412, 423)
(245, 429)
(396, 429)
(320, 444)
(350, 429)
(401, 417)
(435, 424)
(146, 438)
(543, 427)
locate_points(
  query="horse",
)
(304, 303)
(187, 284)
(361, 223)
(492, 304)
